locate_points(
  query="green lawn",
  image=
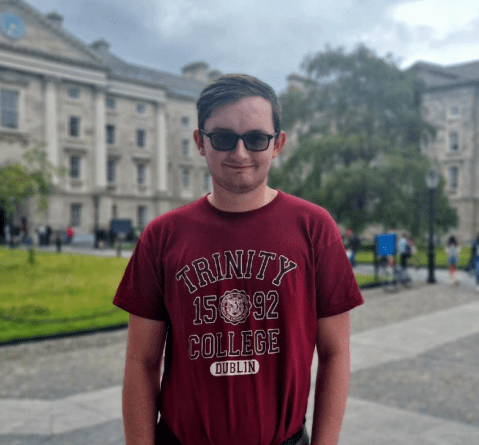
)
(59, 293)
(421, 257)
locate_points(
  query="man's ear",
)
(279, 143)
(199, 141)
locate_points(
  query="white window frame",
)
(16, 111)
(454, 146)
(142, 214)
(453, 177)
(70, 120)
(185, 122)
(110, 103)
(141, 108)
(72, 96)
(109, 140)
(143, 131)
(75, 171)
(185, 148)
(76, 214)
(111, 171)
(186, 178)
(454, 112)
(141, 174)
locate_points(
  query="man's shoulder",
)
(178, 215)
(303, 206)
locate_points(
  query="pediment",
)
(25, 29)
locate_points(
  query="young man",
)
(241, 285)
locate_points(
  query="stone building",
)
(123, 132)
(451, 104)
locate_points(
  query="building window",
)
(140, 138)
(140, 108)
(141, 177)
(110, 103)
(185, 178)
(454, 112)
(185, 122)
(75, 167)
(114, 212)
(74, 126)
(185, 148)
(454, 141)
(207, 181)
(74, 93)
(75, 215)
(453, 177)
(110, 134)
(9, 108)
(111, 171)
(142, 217)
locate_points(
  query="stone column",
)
(51, 123)
(100, 142)
(161, 148)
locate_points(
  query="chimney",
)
(100, 45)
(196, 70)
(55, 18)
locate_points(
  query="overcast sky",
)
(270, 38)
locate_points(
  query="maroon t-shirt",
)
(242, 294)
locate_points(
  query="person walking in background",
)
(475, 259)
(404, 250)
(70, 233)
(240, 301)
(354, 243)
(452, 252)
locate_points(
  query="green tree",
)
(358, 93)
(362, 181)
(20, 181)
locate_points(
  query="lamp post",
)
(432, 181)
(96, 205)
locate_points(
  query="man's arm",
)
(146, 339)
(332, 379)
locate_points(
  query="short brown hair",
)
(231, 88)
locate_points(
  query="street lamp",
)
(432, 181)
(96, 205)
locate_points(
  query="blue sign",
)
(386, 244)
(12, 25)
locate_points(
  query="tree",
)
(362, 181)
(358, 93)
(361, 157)
(20, 181)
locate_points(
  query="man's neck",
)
(245, 202)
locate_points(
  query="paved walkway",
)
(415, 356)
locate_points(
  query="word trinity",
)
(223, 266)
(241, 367)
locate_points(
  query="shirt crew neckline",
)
(249, 213)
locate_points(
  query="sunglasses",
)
(227, 141)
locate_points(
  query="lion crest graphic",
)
(235, 306)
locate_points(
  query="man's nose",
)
(240, 149)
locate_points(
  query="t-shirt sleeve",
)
(141, 290)
(337, 290)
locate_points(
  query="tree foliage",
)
(361, 157)
(364, 182)
(20, 181)
(358, 93)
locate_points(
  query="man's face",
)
(239, 170)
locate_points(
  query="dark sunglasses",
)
(227, 141)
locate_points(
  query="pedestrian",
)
(452, 252)
(354, 243)
(243, 284)
(70, 233)
(475, 259)
(404, 249)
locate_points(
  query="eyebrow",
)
(229, 130)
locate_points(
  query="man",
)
(404, 249)
(241, 285)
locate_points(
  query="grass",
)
(421, 257)
(57, 294)
(62, 294)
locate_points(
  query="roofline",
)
(62, 32)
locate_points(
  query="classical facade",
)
(451, 104)
(123, 132)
